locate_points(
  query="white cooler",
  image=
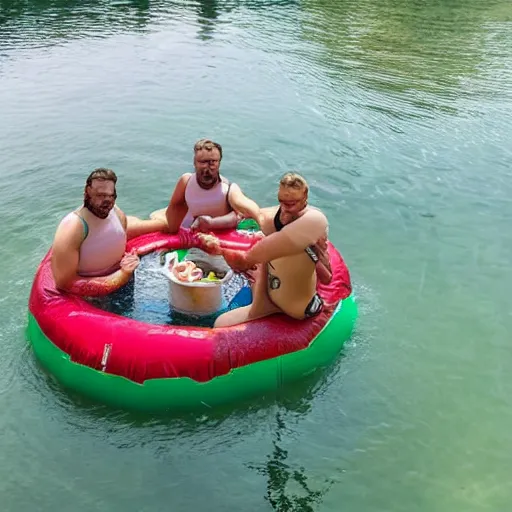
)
(197, 298)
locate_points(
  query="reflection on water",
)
(420, 53)
(31, 23)
(281, 475)
(180, 440)
(208, 11)
(44, 22)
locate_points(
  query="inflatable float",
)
(131, 364)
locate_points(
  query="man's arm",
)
(323, 265)
(292, 239)
(242, 204)
(205, 223)
(134, 227)
(177, 208)
(64, 263)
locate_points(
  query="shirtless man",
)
(205, 200)
(88, 252)
(289, 259)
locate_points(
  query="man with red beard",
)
(205, 200)
(88, 251)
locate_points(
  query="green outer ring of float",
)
(184, 393)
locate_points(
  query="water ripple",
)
(398, 112)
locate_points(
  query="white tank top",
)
(103, 247)
(213, 202)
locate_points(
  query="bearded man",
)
(88, 252)
(205, 200)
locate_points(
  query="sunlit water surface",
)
(398, 113)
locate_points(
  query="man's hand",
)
(237, 260)
(323, 266)
(250, 274)
(202, 224)
(130, 262)
(210, 244)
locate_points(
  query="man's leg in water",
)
(261, 304)
(136, 227)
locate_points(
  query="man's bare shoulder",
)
(266, 219)
(70, 229)
(185, 177)
(118, 210)
(269, 212)
(70, 221)
(178, 194)
(314, 210)
(314, 213)
(311, 225)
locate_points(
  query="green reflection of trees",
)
(36, 20)
(208, 12)
(281, 474)
(400, 45)
(66, 19)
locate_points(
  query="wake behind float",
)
(131, 364)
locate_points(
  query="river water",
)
(399, 114)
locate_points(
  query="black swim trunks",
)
(315, 306)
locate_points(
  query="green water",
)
(399, 113)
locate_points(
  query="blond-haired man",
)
(288, 260)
